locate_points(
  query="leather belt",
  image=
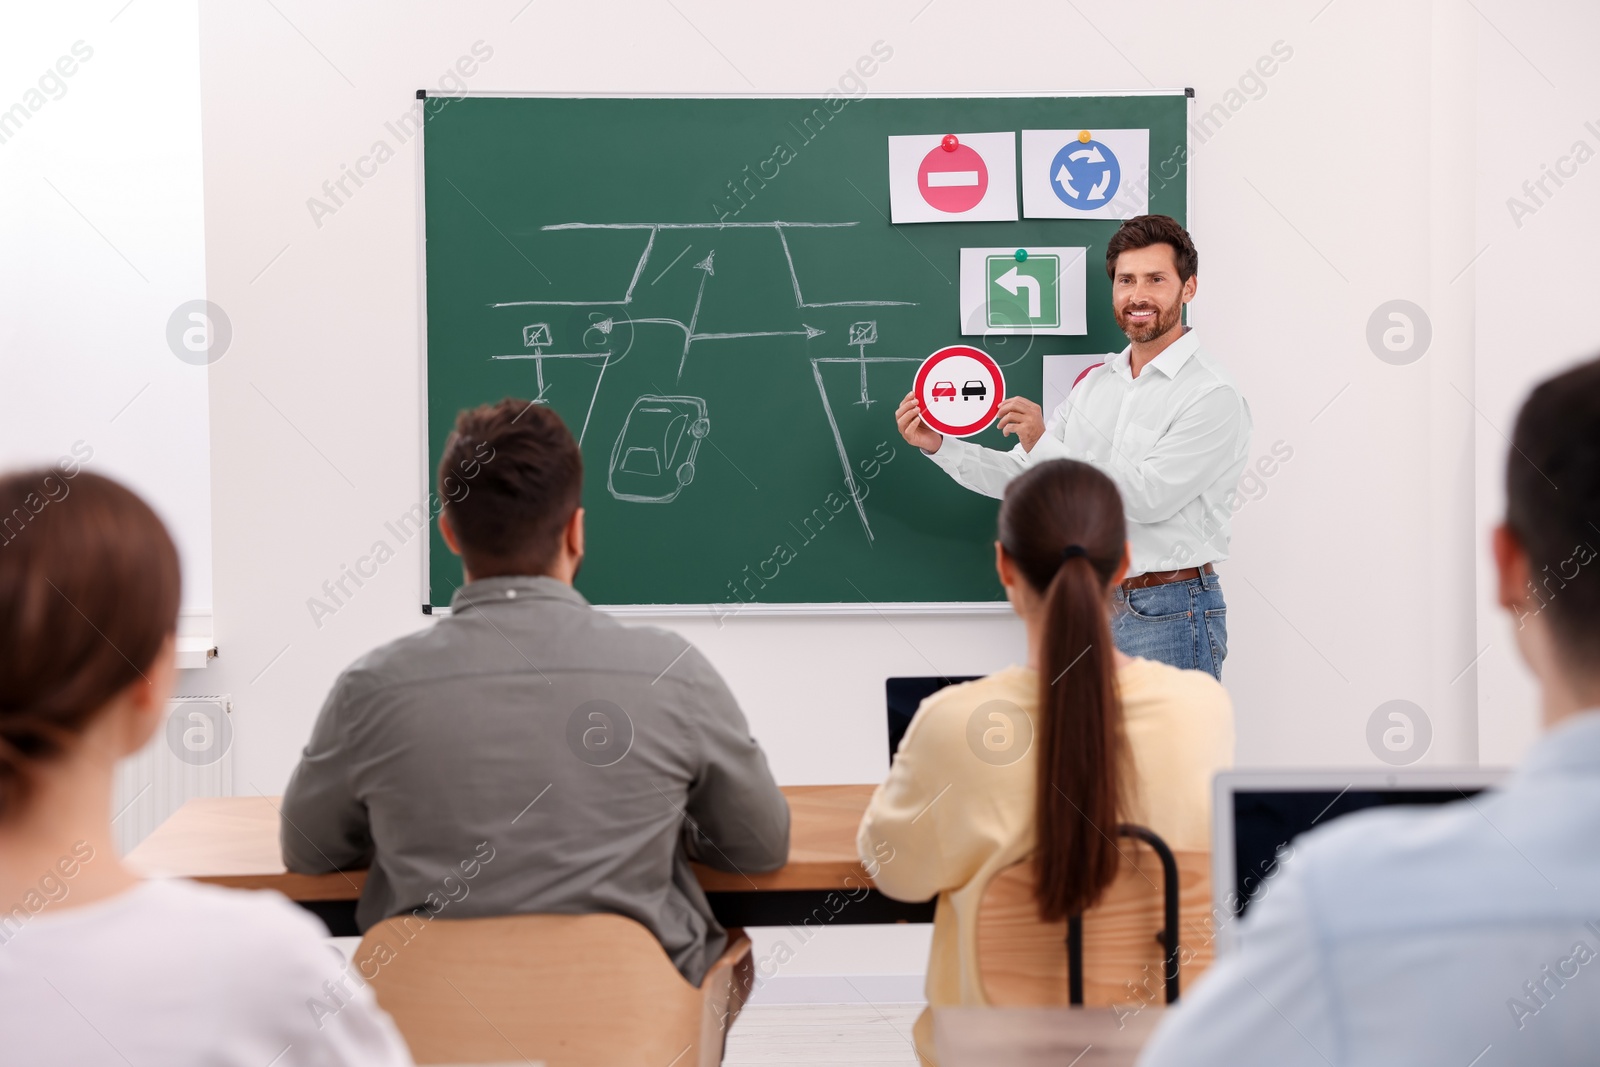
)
(1187, 574)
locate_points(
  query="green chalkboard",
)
(622, 255)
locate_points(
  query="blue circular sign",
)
(1085, 175)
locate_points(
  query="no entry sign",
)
(959, 390)
(953, 178)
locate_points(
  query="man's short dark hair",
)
(511, 477)
(1553, 507)
(1142, 231)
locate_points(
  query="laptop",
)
(905, 695)
(1257, 813)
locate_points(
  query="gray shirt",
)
(531, 754)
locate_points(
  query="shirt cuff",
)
(952, 452)
(1049, 446)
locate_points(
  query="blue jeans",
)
(1181, 623)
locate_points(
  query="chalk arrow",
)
(1066, 181)
(605, 325)
(705, 264)
(1010, 281)
(1092, 154)
(1099, 190)
(808, 332)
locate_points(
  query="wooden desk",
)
(233, 842)
(1036, 1037)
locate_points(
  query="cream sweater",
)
(945, 822)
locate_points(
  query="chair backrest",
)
(1023, 961)
(567, 990)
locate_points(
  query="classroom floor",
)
(838, 1035)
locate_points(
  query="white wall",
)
(1538, 95)
(100, 240)
(1342, 181)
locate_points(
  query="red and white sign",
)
(959, 390)
(954, 177)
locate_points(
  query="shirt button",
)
(511, 594)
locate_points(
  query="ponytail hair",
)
(1062, 525)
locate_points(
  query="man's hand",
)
(913, 429)
(1023, 419)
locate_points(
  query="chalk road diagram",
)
(653, 458)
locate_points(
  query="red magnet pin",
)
(950, 143)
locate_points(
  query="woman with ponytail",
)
(1045, 760)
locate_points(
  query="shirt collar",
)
(1169, 362)
(1571, 746)
(511, 587)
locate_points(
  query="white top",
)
(1175, 440)
(171, 974)
(1467, 934)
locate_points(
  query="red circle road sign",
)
(959, 390)
(953, 181)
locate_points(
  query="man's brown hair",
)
(1553, 508)
(1142, 231)
(89, 593)
(511, 477)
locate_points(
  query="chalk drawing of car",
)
(653, 458)
(944, 390)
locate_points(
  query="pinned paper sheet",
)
(959, 177)
(1085, 174)
(1063, 374)
(1036, 290)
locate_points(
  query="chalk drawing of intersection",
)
(707, 268)
(653, 458)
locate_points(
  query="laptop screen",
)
(1267, 821)
(1260, 814)
(905, 695)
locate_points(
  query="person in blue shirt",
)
(1466, 935)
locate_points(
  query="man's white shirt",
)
(1174, 440)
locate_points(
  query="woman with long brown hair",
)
(1045, 759)
(97, 966)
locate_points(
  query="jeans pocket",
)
(1217, 633)
(1159, 603)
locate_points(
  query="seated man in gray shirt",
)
(1466, 935)
(529, 753)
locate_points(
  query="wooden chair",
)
(1150, 935)
(568, 990)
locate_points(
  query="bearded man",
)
(1170, 428)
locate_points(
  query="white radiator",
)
(190, 756)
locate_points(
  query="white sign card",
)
(1085, 174)
(1064, 373)
(960, 177)
(1039, 292)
